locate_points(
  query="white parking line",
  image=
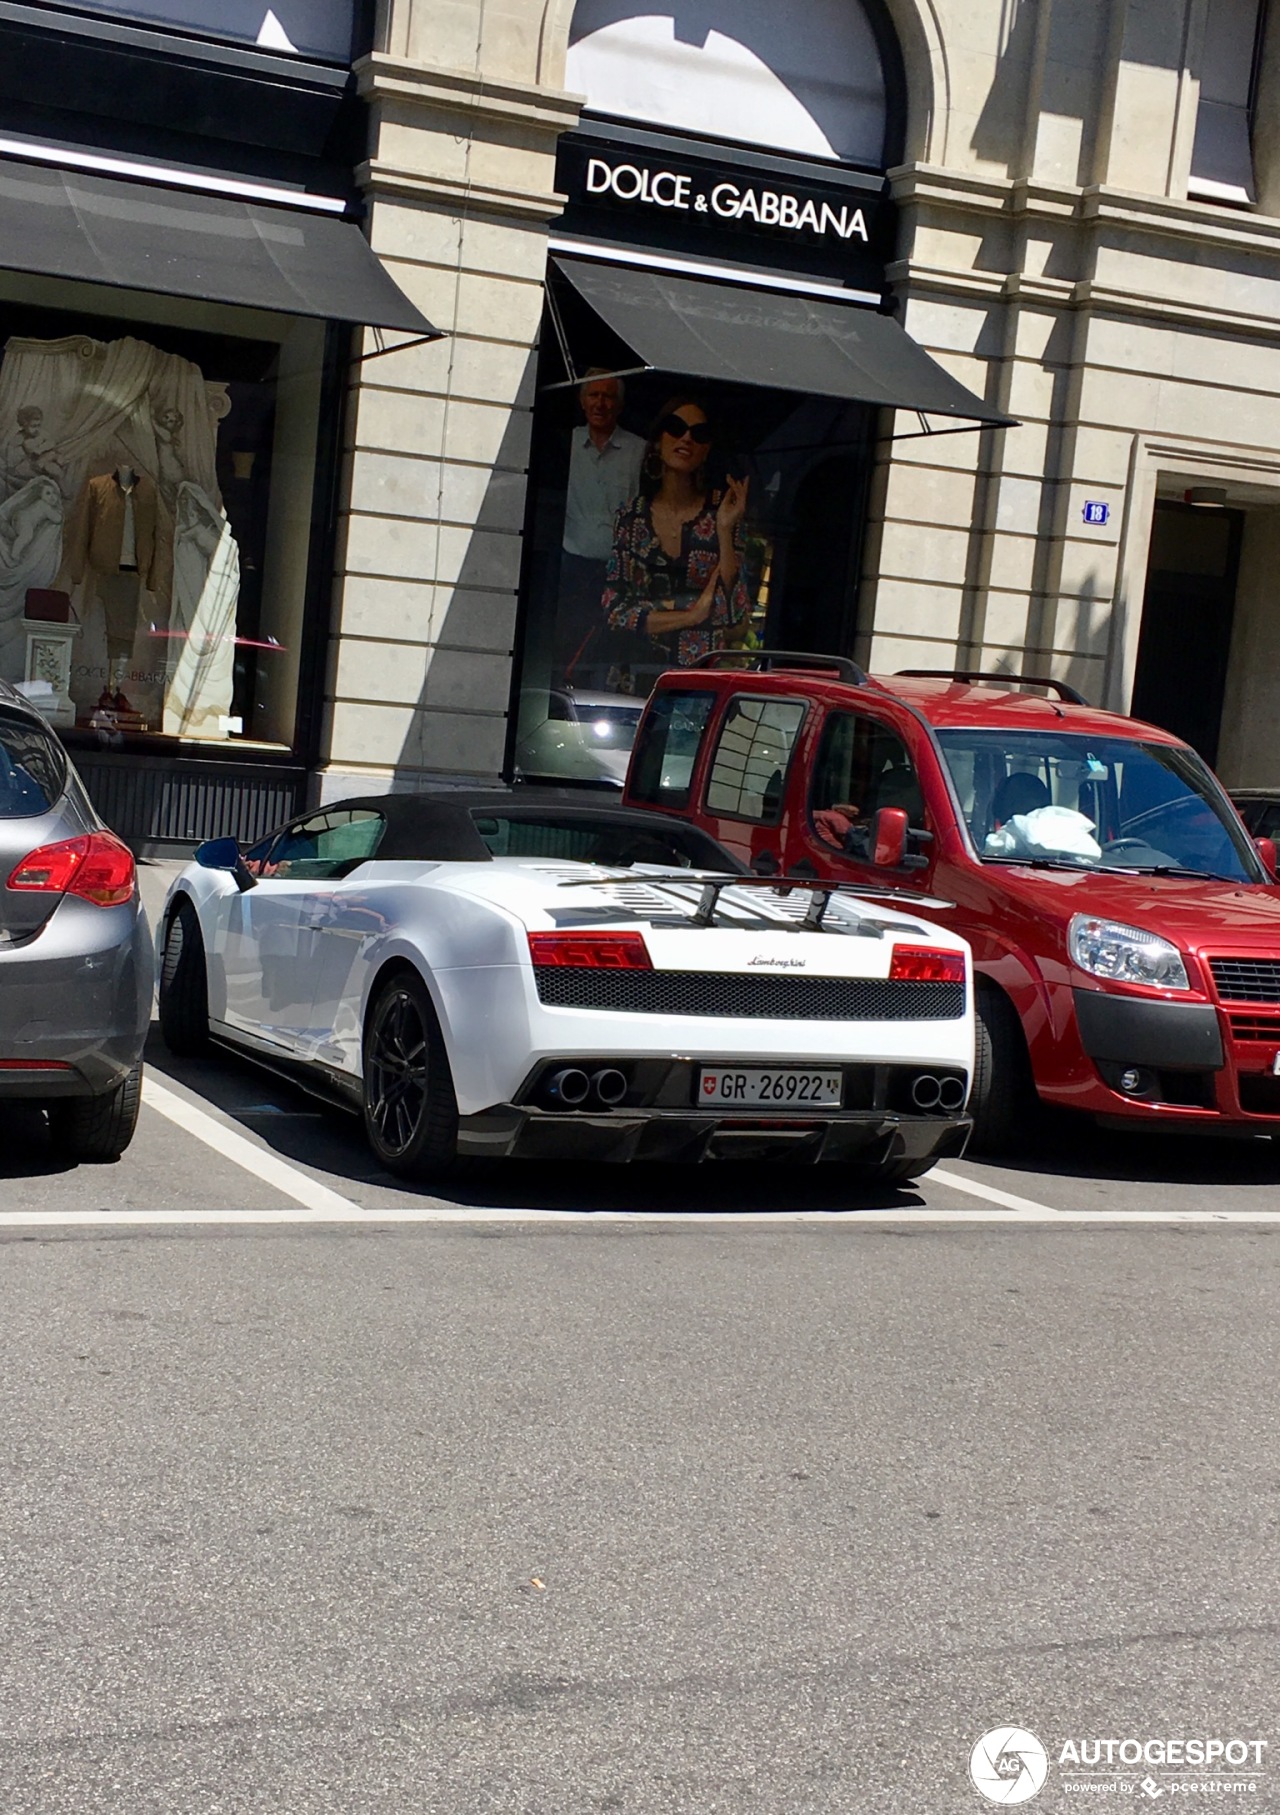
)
(1026, 1206)
(315, 1198)
(316, 1203)
(852, 1218)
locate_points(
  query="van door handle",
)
(764, 863)
(804, 868)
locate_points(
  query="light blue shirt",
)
(601, 479)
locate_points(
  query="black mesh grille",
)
(1247, 979)
(765, 998)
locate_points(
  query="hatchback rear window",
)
(33, 769)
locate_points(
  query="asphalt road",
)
(624, 1491)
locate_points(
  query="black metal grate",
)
(148, 799)
(1247, 979)
(768, 998)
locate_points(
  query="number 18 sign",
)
(1095, 511)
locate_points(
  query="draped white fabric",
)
(100, 402)
(202, 627)
(75, 407)
(30, 550)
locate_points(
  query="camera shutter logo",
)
(1008, 1765)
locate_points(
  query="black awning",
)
(144, 236)
(787, 341)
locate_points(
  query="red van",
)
(1125, 928)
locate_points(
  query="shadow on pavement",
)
(1064, 1146)
(312, 1134)
(26, 1150)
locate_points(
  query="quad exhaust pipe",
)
(610, 1086)
(928, 1092)
(570, 1088)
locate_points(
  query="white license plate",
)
(787, 1088)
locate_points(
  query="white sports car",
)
(517, 973)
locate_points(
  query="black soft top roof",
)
(439, 827)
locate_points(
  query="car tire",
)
(98, 1128)
(410, 1109)
(1002, 1101)
(184, 985)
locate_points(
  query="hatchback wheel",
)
(410, 1110)
(98, 1128)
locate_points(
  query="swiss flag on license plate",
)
(709, 1082)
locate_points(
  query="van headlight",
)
(1125, 954)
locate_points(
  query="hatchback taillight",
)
(95, 866)
(925, 964)
(590, 951)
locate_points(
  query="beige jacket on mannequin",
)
(96, 535)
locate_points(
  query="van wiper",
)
(1040, 863)
(1177, 869)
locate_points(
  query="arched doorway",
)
(724, 243)
(823, 80)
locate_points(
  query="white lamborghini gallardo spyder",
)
(519, 973)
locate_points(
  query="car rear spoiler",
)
(711, 887)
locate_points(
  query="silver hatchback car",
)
(75, 951)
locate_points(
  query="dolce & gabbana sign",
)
(728, 201)
(678, 200)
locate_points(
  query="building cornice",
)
(919, 185)
(435, 89)
(383, 179)
(910, 278)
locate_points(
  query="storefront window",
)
(673, 519)
(156, 488)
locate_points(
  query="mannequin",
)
(113, 541)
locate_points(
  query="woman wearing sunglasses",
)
(675, 571)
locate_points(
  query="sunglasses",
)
(678, 428)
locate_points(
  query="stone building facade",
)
(1086, 234)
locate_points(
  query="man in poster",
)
(604, 474)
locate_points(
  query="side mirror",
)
(224, 854)
(889, 838)
(1267, 852)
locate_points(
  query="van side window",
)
(667, 747)
(749, 775)
(861, 767)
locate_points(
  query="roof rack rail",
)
(765, 659)
(1061, 688)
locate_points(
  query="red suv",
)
(1125, 929)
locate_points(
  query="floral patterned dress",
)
(642, 577)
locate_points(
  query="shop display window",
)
(634, 518)
(156, 489)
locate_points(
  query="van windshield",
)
(1095, 803)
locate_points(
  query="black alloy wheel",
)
(410, 1110)
(184, 985)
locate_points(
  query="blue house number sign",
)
(1095, 511)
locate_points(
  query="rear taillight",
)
(96, 867)
(590, 951)
(925, 964)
